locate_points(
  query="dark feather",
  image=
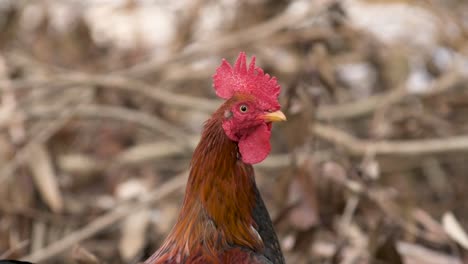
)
(272, 249)
(13, 262)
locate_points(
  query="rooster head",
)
(252, 105)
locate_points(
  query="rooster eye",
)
(243, 108)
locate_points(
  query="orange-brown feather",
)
(218, 204)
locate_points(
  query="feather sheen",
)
(223, 218)
(217, 211)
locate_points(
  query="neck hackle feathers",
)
(251, 80)
(223, 219)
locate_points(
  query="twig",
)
(109, 219)
(140, 118)
(361, 147)
(83, 164)
(291, 16)
(324, 112)
(45, 178)
(350, 143)
(146, 151)
(10, 117)
(18, 247)
(126, 84)
(41, 136)
(425, 255)
(143, 152)
(371, 103)
(390, 208)
(412, 253)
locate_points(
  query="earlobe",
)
(227, 114)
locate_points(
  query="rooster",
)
(223, 218)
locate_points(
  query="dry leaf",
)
(453, 228)
(83, 256)
(304, 215)
(45, 178)
(79, 164)
(134, 226)
(302, 192)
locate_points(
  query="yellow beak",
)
(274, 116)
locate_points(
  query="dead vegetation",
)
(371, 167)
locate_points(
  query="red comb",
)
(229, 80)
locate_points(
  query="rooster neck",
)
(225, 188)
(222, 208)
(219, 202)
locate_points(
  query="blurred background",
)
(103, 101)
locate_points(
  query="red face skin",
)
(242, 118)
(221, 195)
(244, 123)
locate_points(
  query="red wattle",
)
(255, 146)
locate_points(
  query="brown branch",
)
(82, 164)
(420, 254)
(234, 40)
(370, 104)
(329, 133)
(124, 84)
(140, 118)
(412, 253)
(43, 134)
(324, 112)
(361, 147)
(108, 220)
